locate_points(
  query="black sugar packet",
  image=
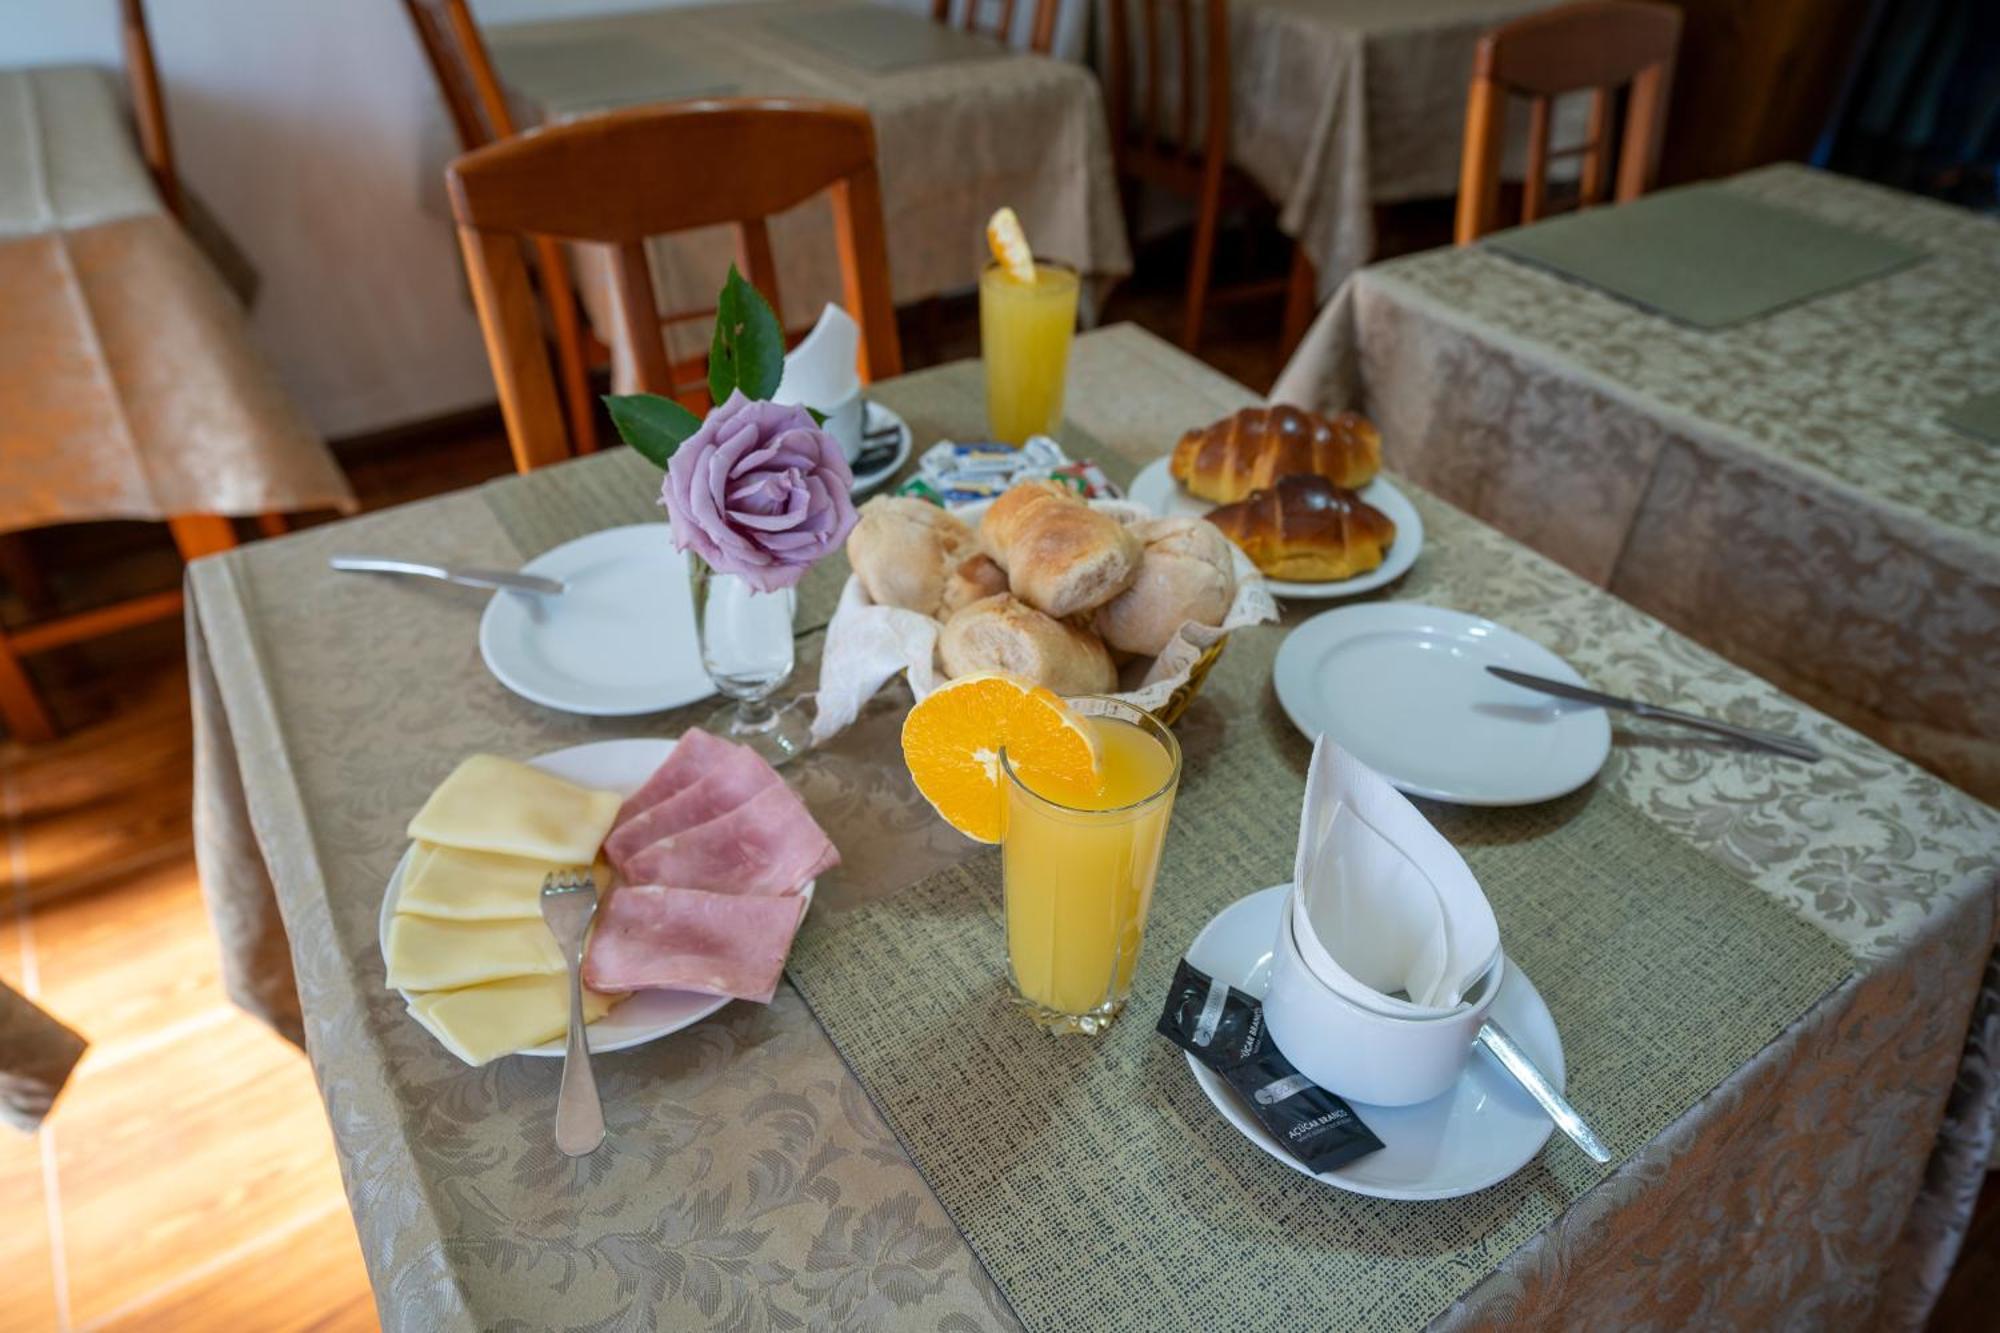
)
(1224, 1029)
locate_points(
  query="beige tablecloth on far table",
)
(750, 1182)
(1783, 491)
(129, 387)
(954, 139)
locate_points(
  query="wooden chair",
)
(1595, 45)
(477, 104)
(1041, 35)
(1158, 145)
(734, 161)
(149, 104)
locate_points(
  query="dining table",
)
(964, 124)
(1803, 489)
(1774, 982)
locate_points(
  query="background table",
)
(750, 1179)
(955, 140)
(1783, 491)
(1339, 105)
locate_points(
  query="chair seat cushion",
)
(67, 157)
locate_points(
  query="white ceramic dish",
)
(876, 416)
(1363, 1054)
(647, 1015)
(1156, 489)
(618, 641)
(1403, 687)
(1477, 1134)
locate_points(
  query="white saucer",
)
(875, 417)
(643, 1016)
(1478, 1134)
(618, 641)
(1156, 489)
(1403, 688)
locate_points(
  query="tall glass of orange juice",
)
(1024, 336)
(1078, 872)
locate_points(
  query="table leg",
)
(20, 707)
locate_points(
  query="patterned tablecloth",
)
(129, 387)
(955, 139)
(749, 1181)
(1339, 105)
(1784, 491)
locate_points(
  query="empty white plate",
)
(1403, 688)
(1156, 489)
(1477, 1134)
(643, 1016)
(619, 640)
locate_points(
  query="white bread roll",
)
(1061, 556)
(903, 549)
(1186, 573)
(1003, 633)
(971, 580)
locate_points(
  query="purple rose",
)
(759, 491)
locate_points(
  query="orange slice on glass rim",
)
(1010, 246)
(952, 742)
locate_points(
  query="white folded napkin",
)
(823, 373)
(1383, 903)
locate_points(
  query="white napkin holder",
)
(823, 373)
(1388, 956)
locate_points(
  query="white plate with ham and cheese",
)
(718, 817)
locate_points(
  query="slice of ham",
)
(768, 845)
(652, 937)
(736, 775)
(693, 755)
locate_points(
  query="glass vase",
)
(748, 650)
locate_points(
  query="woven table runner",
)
(1099, 1186)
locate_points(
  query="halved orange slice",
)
(1010, 246)
(952, 743)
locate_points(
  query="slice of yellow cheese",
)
(428, 954)
(490, 804)
(477, 886)
(482, 1023)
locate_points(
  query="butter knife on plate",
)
(469, 577)
(1790, 746)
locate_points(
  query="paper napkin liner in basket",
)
(867, 644)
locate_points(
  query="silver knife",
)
(1516, 1062)
(471, 578)
(1769, 740)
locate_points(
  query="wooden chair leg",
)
(272, 525)
(1301, 292)
(19, 572)
(1208, 218)
(20, 707)
(201, 534)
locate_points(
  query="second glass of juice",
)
(1078, 871)
(1024, 337)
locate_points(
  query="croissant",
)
(1226, 461)
(1308, 530)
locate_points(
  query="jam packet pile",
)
(1224, 1029)
(951, 474)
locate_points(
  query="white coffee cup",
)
(1361, 1054)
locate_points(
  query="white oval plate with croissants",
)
(1156, 489)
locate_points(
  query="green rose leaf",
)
(652, 425)
(819, 417)
(748, 351)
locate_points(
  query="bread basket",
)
(867, 644)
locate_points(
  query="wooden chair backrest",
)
(464, 68)
(620, 178)
(149, 103)
(1595, 45)
(1164, 130)
(1041, 34)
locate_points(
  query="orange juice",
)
(1024, 335)
(1078, 871)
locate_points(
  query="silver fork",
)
(569, 901)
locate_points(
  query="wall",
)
(309, 128)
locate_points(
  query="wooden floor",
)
(186, 1178)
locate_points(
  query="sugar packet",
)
(1224, 1029)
